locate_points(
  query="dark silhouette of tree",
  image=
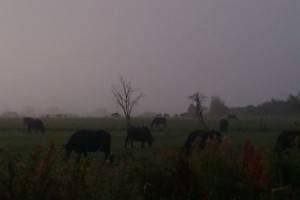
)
(290, 106)
(125, 97)
(217, 106)
(198, 100)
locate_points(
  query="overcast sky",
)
(69, 53)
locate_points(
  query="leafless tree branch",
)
(199, 99)
(125, 97)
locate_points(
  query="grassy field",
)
(14, 136)
(263, 132)
(161, 172)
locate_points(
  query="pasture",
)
(162, 158)
(13, 133)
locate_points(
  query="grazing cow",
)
(142, 134)
(83, 141)
(201, 136)
(287, 139)
(157, 121)
(34, 124)
(115, 115)
(26, 120)
(223, 125)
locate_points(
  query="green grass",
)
(13, 134)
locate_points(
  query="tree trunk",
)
(128, 121)
(204, 124)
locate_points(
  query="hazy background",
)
(68, 53)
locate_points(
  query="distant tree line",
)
(290, 106)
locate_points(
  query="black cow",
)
(157, 121)
(26, 120)
(34, 124)
(223, 124)
(115, 115)
(142, 134)
(83, 141)
(287, 139)
(201, 136)
(166, 115)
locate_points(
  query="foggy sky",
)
(69, 53)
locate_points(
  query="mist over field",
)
(66, 55)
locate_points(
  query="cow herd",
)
(83, 141)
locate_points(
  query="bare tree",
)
(125, 97)
(199, 99)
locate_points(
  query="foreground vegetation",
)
(243, 167)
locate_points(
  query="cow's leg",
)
(131, 142)
(106, 153)
(126, 141)
(84, 153)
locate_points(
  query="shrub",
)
(223, 171)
